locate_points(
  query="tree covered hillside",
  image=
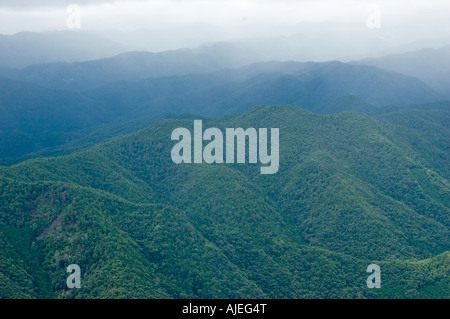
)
(351, 190)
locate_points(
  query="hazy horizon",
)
(170, 24)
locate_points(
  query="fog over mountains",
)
(102, 91)
(432, 66)
(86, 175)
(27, 48)
(50, 104)
(225, 231)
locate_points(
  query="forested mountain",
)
(33, 118)
(351, 190)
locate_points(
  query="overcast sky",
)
(415, 18)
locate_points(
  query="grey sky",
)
(231, 18)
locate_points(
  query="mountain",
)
(310, 85)
(351, 190)
(426, 128)
(26, 48)
(306, 41)
(131, 66)
(432, 66)
(33, 118)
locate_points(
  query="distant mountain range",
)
(83, 60)
(432, 66)
(26, 48)
(323, 42)
(33, 117)
(130, 66)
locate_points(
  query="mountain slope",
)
(350, 191)
(33, 118)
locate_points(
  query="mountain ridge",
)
(33, 118)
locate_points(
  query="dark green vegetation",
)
(352, 190)
(34, 118)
